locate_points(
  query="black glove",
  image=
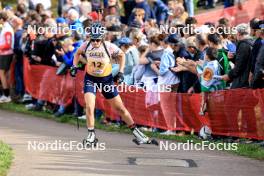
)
(73, 71)
(119, 78)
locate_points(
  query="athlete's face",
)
(96, 43)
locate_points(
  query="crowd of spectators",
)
(181, 61)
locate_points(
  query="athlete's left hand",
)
(119, 78)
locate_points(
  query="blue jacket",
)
(76, 25)
(69, 56)
(167, 61)
(18, 43)
(160, 10)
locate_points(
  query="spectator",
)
(258, 79)
(214, 41)
(195, 55)
(191, 24)
(17, 23)
(177, 14)
(240, 74)
(60, 7)
(139, 69)
(142, 4)
(96, 4)
(33, 4)
(180, 51)
(132, 56)
(113, 33)
(139, 16)
(160, 10)
(21, 11)
(138, 38)
(128, 6)
(201, 44)
(113, 22)
(253, 24)
(224, 22)
(67, 51)
(168, 81)
(112, 8)
(74, 21)
(40, 8)
(151, 56)
(166, 76)
(209, 70)
(190, 7)
(257, 44)
(85, 9)
(6, 54)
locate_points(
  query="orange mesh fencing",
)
(237, 112)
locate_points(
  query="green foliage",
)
(6, 156)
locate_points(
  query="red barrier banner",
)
(42, 83)
(237, 112)
(236, 14)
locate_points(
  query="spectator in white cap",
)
(74, 21)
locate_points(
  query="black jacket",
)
(187, 79)
(255, 50)
(45, 49)
(240, 73)
(258, 82)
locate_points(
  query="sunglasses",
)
(96, 40)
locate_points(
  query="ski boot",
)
(91, 139)
(141, 138)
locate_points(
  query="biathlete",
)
(98, 75)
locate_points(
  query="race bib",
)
(98, 65)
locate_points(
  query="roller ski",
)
(141, 138)
(90, 140)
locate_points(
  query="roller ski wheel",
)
(151, 141)
(90, 144)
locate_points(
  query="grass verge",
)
(6, 156)
(247, 150)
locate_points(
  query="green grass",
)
(247, 150)
(6, 156)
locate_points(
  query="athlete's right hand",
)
(73, 71)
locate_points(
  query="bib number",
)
(98, 67)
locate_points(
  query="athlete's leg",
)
(119, 107)
(89, 96)
(89, 109)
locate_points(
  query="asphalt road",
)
(115, 155)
